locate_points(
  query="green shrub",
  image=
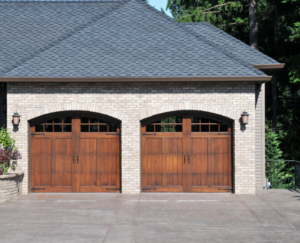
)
(5, 139)
(8, 151)
(280, 174)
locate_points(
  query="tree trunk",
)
(274, 79)
(274, 102)
(253, 24)
(276, 26)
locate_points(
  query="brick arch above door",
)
(187, 106)
(74, 106)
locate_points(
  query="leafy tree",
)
(226, 15)
(273, 152)
(280, 174)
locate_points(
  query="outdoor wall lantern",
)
(245, 116)
(16, 119)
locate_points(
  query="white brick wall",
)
(131, 102)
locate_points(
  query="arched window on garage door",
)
(186, 152)
(75, 152)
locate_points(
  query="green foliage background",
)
(5, 138)
(279, 173)
(279, 38)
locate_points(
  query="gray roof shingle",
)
(106, 39)
(229, 43)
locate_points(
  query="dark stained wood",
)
(187, 161)
(75, 161)
(162, 156)
(99, 163)
(51, 162)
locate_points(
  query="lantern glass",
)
(16, 120)
(245, 119)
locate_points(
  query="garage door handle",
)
(73, 159)
(189, 158)
(77, 159)
(184, 159)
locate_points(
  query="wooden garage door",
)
(186, 153)
(75, 154)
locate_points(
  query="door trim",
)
(229, 121)
(39, 119)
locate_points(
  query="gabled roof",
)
(233, 45)
(106, 39)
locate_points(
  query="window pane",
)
(204, 120)
(93, 120)
(67, 128)
(58, 128)
(168, 128)
(103, 128)
(223, 128)
(178, 120)
(204, 128)
(213, 121)
(149, 128)
(48, 128)
(214, 128)
(84, 120)
(169, 120)
(39, 128)
(195, 119)
(195, 128)
(178, 128)
(112, 128)
(159, 121)
(94, 128)
(68, 120)
(49, 121)
(84, 128)
(57, 120)
(159, 128)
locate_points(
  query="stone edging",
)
(11, 185)
(11, 175)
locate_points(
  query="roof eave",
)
(259, 79)
(269, 68)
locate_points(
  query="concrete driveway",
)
(272, 216)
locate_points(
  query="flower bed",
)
(9, 154)
(10, 180)
(11, 185)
